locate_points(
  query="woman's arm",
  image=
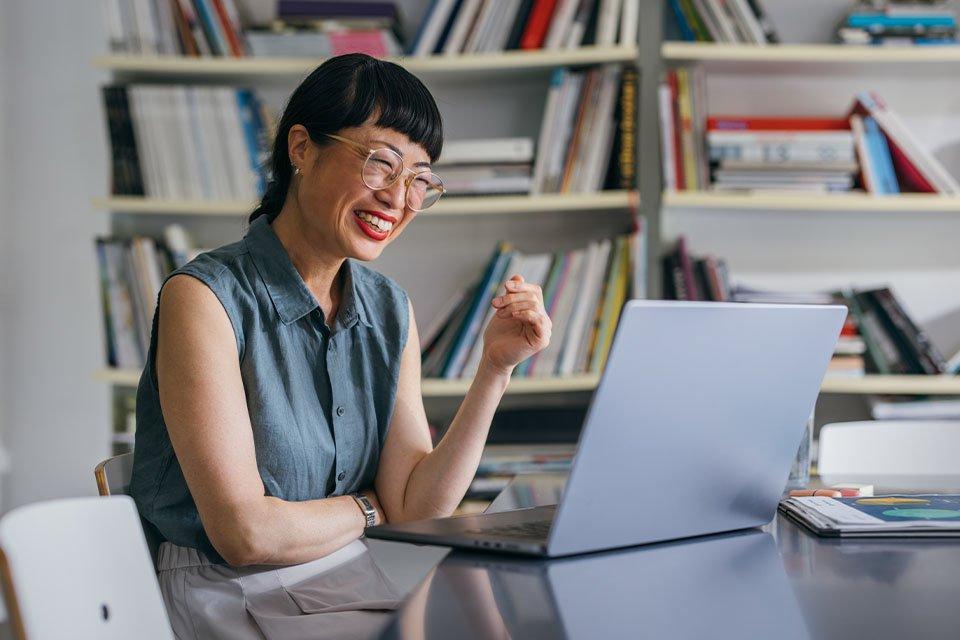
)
(205, 410)
(415, 481)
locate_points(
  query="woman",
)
(280, 405)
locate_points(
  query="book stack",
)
(730, 21)
(879, 336)
(487, 166)
(588, 135)
(131, 273)
(188, 143)
(454, 27)
(174, 27)
(322, 28)
(583, 292)
(794, 154)
(869, 149)
(906, 24)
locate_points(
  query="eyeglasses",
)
(383, 167)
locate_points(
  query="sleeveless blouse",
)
(319, 399)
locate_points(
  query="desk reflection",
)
(730, 586)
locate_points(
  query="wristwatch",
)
(368, 511)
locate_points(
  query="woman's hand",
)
(519, 328)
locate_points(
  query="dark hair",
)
(346, 91)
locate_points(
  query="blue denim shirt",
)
(319, 399)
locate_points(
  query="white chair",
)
(889, 447)
(79, 568)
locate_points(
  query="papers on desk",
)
(935, 515)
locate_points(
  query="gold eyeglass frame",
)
(366, 153)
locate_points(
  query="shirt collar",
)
(290, 295)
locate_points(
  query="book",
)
(894, 515)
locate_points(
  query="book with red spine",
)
(229, 29)
(538, 24)
(762, 123)
(677, 146)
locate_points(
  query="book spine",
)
(686, 30)
(887, 356)
(536, 30)
(687, 141)
(627, 128)
(927, 355)
(230, 35)
(880, 157)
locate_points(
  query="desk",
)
(779, 582)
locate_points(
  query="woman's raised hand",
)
(519, 328)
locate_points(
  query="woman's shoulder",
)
(374, 285)
(382, 298)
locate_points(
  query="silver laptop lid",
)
(695, 422)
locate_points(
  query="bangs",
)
(401, 102)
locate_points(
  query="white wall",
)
(55, 416)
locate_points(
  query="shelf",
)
(438, 388)
(808, 57)
(506, 62)
(855, 202)
(432, 387)
(480, 205)
(896, 385)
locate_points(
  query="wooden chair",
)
(113, 474)
(889, 447)
(79, 568)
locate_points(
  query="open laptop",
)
(692, 430)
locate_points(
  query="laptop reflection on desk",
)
(723, 586)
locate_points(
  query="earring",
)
(296, 170)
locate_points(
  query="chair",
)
(79, 568)
(113, 478)
(113, 474)
(889, 447)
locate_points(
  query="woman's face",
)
(332, 196)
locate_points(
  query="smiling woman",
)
(280, 410)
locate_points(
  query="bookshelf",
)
(567, 203)
(650, 56)
(515, 68)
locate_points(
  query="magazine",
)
(882, 516)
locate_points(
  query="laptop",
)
(692, 430)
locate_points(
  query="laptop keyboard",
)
(537, 530)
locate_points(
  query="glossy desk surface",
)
(779, 582)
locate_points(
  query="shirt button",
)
(339, 411)
(341, 476)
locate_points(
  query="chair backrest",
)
(894, 447)
(79, 568)
(113, 474)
